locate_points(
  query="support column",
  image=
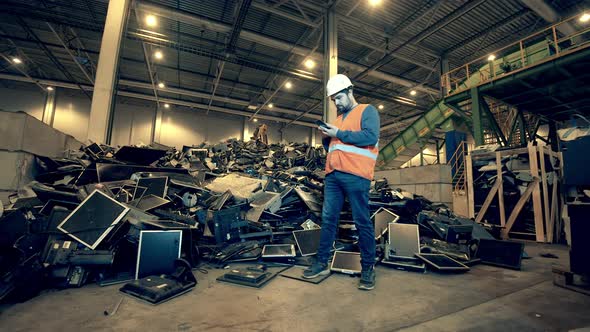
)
(523, 129)
(312, 137)
(438, 147)
(49, 109)
(476, 116)
(330, 60)
(245, 130)
(157, 124)
(101, 111)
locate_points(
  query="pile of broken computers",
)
(148, 216)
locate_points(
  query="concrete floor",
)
(485, 299)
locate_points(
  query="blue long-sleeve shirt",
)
(367, 136)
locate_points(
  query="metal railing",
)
(457, 162)
(539, 47)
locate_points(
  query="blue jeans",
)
(338, 185)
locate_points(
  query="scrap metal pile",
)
(88, 218)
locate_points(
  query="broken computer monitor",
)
(93, 219)
(500, 253)
(404, 241)
(414, 265)
(460, 234)
(157, 252)
(381, 219)
(149, 202)
(139, 156)
(346, 262)
(157, 185)
(278, 250)
(157, 289)
(442, 262)
(308, 241)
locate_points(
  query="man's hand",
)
(330, 131)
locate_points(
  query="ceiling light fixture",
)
(374, 3)
(380, 106)
(166, 105)
(309, 64)
(491, 57)
(49, 88)
(17, 60)
(288, 85)
(270, 105)
(158, 55)
(585, 18)
(413, 92)
(161, 85)
(255, 120)
(151, 21)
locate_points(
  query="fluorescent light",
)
(585, 18)
(158, 55)
(374, 2)
(49, 88)
(491, 57)
(413, 92)
(151, 21)
(309, 64)
(161, 85)
(17, 60)
(252, 107)
(288, 85)
(166, 105)
(270, 105)
(380, 106)
(255, 120)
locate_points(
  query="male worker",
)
(351, 143)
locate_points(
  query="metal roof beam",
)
(209, 24)
(549, 14)
(455, 15)
(148, 63)
(507, 20)
(230, 47)
(135, 61)
(397, 56)
(274, 10)
(76, 86)
(49, 54)
(361, 24)
(82, 69)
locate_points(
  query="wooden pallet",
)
(572, 281)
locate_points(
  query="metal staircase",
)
(457, 162)
(404, 146)
(518, 56)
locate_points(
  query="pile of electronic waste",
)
(148, 215)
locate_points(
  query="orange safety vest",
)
(350, 158)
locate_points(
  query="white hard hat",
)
(337, 83)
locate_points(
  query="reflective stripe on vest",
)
(353, 149)
(349, 158)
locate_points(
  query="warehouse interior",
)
(179, 141)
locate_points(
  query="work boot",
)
(367, 281)
(315, 270)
